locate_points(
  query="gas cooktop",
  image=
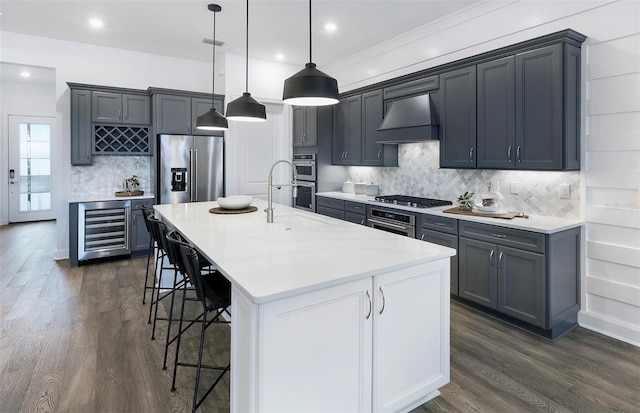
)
(412, 201)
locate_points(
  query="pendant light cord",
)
(310, 32)
(213, 78)
(246, 63)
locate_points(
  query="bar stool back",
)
(213, 291)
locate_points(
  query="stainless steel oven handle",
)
(304, 163)
(375, 221)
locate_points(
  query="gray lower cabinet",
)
(346, 210)
(532, 279)
(442, 231)
(140, 237)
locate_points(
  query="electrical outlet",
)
(495, 186)
(565, 191)
(514, 188)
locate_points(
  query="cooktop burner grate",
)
(412, 201)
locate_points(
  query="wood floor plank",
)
(77, 340)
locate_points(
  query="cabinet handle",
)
(379, 153)
(188, 125)
(491, 258)
(500, 260)
(383, 301)
(498, 235)
(471, 154)
(362, 222)
(304, 138)
(370, 305)
(126, 114)
(134, 219)
(439, 224)
(422, 237)
(346, 154)
(119, 114)
(518, 154)
(509, 153)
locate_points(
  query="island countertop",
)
(297, 253)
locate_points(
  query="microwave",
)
(305, 164)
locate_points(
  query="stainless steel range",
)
(399, 221)
(412, 201)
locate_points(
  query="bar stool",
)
(213, 291)
(146, 212)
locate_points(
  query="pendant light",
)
(310, 87)
(212, 120)
(246, 108)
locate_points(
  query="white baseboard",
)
(604, 325)
(61, 254)
(3, 222)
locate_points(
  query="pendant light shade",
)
(246, 108)
(212, 120)
(310, 86)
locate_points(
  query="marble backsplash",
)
(108, 172)
(419, 175)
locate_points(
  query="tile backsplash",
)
(108, 172)
(419, 175)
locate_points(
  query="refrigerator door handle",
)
(194, 176)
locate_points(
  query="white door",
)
(30, 180)
(252, 147)
(411, 336)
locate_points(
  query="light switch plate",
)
(494, 185)
(514, 188)
(565, 191)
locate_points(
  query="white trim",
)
(604, 325)
(61, 254)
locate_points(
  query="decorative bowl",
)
(235, 201)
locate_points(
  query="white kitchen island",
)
(327, 316)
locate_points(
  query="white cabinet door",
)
(326, 334)
(411, 336)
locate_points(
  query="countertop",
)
(106, 197)
(535, 223)
(300, 252)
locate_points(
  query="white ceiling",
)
(176, 28)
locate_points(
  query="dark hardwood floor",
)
(77, 340)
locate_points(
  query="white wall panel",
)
(610, 234)
(622, 51)
(613, 253)
(613, 159)
(616, 310)
(629, 218)
(624, 274)
(614, 178)
(613, 124)
(617, 291)
(614, 141)
(613, 197)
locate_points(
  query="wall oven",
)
(305, 166)
(306, 198)
(392, 221)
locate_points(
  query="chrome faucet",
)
(294, 184)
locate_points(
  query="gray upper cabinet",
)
(539, 120)
(177, 113)
(305, 126)
(496, 130)
(110, 107)
(356, 120)
(372, 114)
(347, 136)
(458, 118)
(81, 131)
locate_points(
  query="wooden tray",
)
(218, 210)
(508, 215)
(132, 193)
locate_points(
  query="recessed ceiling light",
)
(279, 56)
(330, 27)
(96, 23)
(24, 73)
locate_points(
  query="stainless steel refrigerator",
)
(190, 168)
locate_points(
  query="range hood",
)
(409, 120)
